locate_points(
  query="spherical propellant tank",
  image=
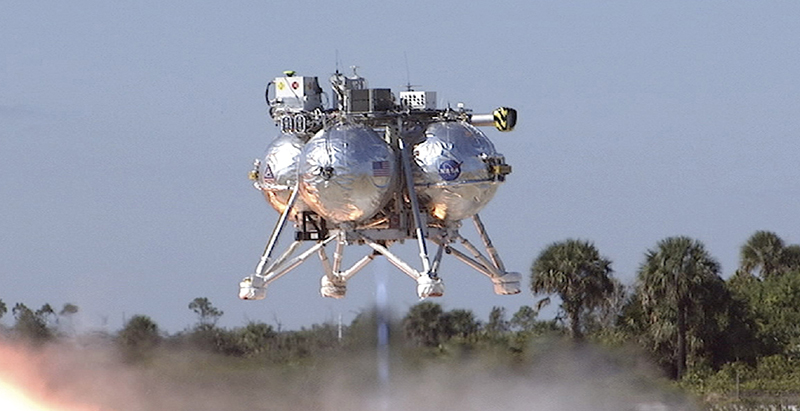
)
(454, 179)
(278, 172)
(347, 173)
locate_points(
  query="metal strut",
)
(274, 275)
(412, 197)
(505, 283)
(334, 283)
(428, 282)
(261, 268)
(254, 286)
(487, 243)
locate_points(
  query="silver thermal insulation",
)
(279, 172)
(347, 173)
(452, 179)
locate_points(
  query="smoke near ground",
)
(81, 377)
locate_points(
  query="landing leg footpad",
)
(429, 287)
(332, 288)
(507, 284)
(252, 290)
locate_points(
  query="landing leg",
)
(428, 283)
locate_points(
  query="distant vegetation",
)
(734, 341)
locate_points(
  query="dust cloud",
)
(93, 377)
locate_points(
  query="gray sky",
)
(127, 130)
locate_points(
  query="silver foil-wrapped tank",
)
(347, 173)
(278, 171)
(453, 180)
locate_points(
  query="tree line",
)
(705, 332)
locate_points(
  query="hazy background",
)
(127, 130)
(92, 378)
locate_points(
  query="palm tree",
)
(764, 251)
(608, 312)
(423, 324)
(791, 257)
(575, 271)
(674, 281)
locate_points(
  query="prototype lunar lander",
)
(374, 170)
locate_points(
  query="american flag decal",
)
(380, 168)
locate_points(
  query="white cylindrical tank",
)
(347, 173)
(453, 179)
(278, 172)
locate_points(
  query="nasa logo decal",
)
(449, 170)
